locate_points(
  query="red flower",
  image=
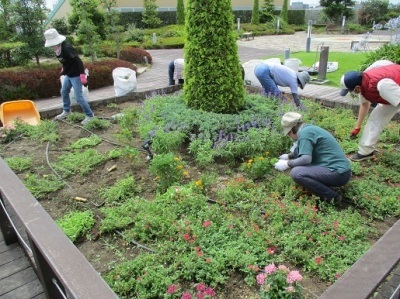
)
(271, 250)
(207, 223)
(318, 260)
(186, 237)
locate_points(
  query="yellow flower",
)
(198, 183)
(250, 161)
(179, 166)
(186, 173)
(176, 158)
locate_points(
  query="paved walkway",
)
(261, 46)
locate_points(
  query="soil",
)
(103, 251)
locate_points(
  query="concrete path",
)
(156, 76)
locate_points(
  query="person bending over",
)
(272, 75)
(380, 84)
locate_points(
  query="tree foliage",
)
(213, 80)
(93, 13)
(150, 15)
(335, 10)
(180, 13)
(87, 34)
(284, 11)
(373, 10)
(267, 11)
(114, 32)
(255, 15)
(28, 17)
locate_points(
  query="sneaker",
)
(87, 119)
(358, 157)
(63, 115)
(338, 198)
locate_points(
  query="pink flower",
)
(294, 276)
(200, 287)
(200, 295)
(260, 278)
(209, 292)
(318, 260)
(172, 289)
(271, 268)
(207, 223)
(342, 238)
(186, 295)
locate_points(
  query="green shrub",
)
(212, 84)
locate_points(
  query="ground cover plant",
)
(170, 202)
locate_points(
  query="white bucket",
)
(293, 63)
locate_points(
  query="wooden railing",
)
(62, 269)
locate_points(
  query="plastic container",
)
(22, 110)
(293, 63)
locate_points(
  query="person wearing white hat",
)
(272, 75)
(73, 71)
(317, 163)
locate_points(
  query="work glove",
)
(354, 132)
(284, 157)
(83, 79)
(281, 165)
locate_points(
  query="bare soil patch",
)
(103, 251)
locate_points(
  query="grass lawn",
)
(347, 62)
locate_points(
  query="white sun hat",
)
(53, 38)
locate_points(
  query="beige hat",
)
(304, 78)
(53, 38)
(289, 120)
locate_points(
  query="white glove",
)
(284, 157)
(281, 165)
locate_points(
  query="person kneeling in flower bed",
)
(279, 282)
(317, 161)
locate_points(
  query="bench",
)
(333, 28)
(247, 35)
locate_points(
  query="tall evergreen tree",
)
(213, 80)
(180, 13)
(115, 32)
(29, 16)
(284, 11)
(267, 11)
(87, 34)
(150, 15)
(255, 15)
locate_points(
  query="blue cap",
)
(349, 81)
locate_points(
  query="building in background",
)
(63, 7)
